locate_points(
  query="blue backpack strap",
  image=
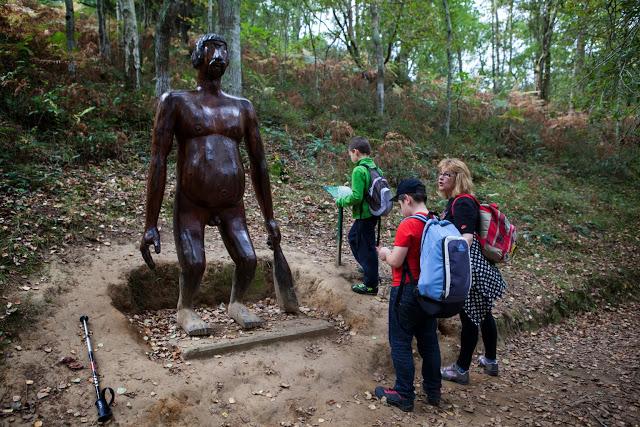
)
(406, 271)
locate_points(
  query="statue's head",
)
(211, 52)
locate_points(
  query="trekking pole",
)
(104, 408)
(339, 236)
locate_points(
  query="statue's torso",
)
(209, 130)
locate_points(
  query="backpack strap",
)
(365, 192)
(464, 196)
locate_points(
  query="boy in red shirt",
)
(406, 318)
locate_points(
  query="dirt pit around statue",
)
(131, 314)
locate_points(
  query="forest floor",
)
(582, 370)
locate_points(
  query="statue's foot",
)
(243, 317)
(192, 323)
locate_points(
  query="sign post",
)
(337, 192)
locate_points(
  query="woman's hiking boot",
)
(490, 366)
(394, 398)
(455, 373)
(361, 288)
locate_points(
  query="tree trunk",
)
(229, 15)
(103, 32)
(119, 25)
(447, 119)
(498, 47)
(71, 41)
(166, 20)
(131, 42)
(347, 30)
(377, 45)
(211, 27)
(460, 71)
(185, 25)
(147, 13)
(493, 48)
(510, 38)
(618, 106)
(312, 39)
(545, 37)
(578, 64)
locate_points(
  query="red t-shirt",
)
(409, 235)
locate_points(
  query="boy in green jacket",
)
(362, 235)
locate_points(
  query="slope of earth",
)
(582, 371)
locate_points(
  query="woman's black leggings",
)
(469, 338)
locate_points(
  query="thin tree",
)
(447, 120)
(71, 41)
(377, 45)
(103, 32)
(229, 16)
(578, 64)
(543, 21)
(346, 29)
(211, 19)
(166, 20)
(131, 41)
(495, 55)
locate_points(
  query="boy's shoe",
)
(435, 401)
(360, 288)
(394, 398)
(490, 368)
(455, 373)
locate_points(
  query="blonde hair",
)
(464, 182)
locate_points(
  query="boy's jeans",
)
(362, 240)
(407, 320)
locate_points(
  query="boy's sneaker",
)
(394, 398)
(360, 288)
(490, 367)
(433, 401)
(455, 373)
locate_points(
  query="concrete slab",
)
(288, 330)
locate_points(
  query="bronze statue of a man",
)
(209, 126)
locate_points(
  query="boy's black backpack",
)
(379, 194)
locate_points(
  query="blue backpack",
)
(445, 268)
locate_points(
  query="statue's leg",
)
(188, 231)
(233, 229)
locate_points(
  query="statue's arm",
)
(259, 171)
(162, 140)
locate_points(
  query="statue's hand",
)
(274, 233)
(151, 236)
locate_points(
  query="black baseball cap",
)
(410, 186)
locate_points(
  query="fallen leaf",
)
(72, 363)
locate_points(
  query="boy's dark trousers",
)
(407, 320)
(362, 240)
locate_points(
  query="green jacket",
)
(360, 182)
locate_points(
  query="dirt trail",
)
(584, 371)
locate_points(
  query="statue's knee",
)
(194, 268)
(248, 263)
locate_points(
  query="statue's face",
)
(216, 58)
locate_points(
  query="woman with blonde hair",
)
(456, 185)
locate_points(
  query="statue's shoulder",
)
(174, 97)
